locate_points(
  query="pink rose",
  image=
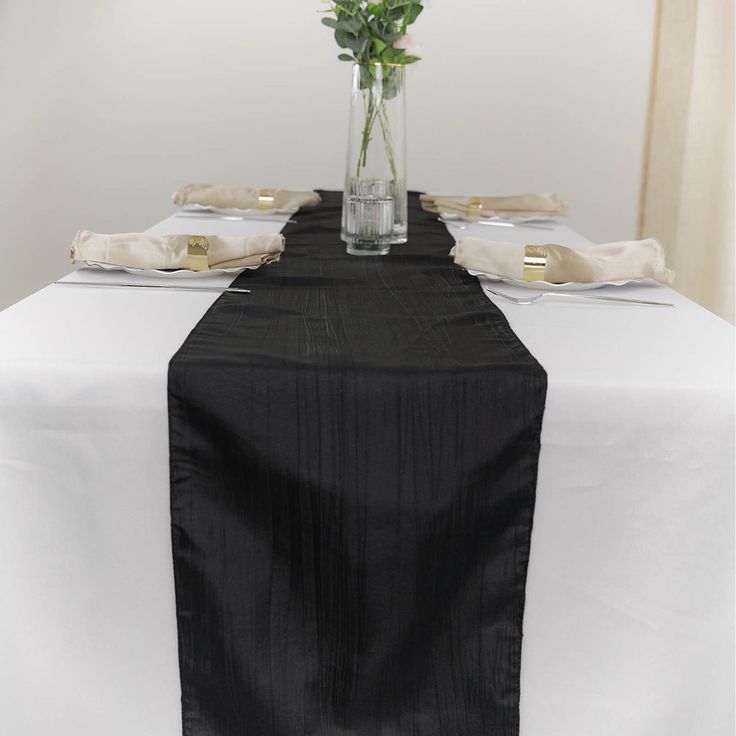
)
(411, 46)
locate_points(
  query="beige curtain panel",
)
(688, 188)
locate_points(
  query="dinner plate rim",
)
(234, 211)
(549, 286)
(520, 220)
(174, 274)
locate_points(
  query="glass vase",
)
(374, 209)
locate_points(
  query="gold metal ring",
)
(266, 199)
(197, 248)
(475, 208)
(535, 262)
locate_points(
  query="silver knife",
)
(172, 287)
(206, 215)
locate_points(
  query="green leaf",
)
(379, 45)
(345, 57)
(344, 39)
(330, 22)
(392, 56)
(350, 41)
(390, 38)
(351, 25)
(413, 13)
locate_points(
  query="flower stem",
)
(370, 118)
(375, 109)
(386, 132)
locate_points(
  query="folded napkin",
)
(558, 264)
(242, 198)
(522, 205)
(136, 250)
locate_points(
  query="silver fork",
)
(564, 294)
(465, 225)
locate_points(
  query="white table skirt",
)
(628, 624)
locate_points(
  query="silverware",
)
(534, 299)
(173, 287)
(206, 215)
(464, 225)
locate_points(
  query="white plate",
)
(234, 212)
(548, 286)
(182, 273)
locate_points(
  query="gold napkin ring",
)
(266, 199)
(535, 262)
(475, 207)
(197, 248)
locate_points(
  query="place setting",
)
(531, 260)
(559, 272)
(530, 211)
(184, 262)
(175, 262)
(241, 203)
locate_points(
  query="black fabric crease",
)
(354, 451)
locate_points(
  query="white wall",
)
(107, 106)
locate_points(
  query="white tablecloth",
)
(628, 624)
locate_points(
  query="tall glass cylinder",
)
(374, 212)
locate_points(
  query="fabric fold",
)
(165, 252)
(518, 206)
(223, 196)
(598, 263)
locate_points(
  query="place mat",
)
(354, 452)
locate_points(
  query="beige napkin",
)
(138, 250)
(243, 198)
(522, 205)
(611, 262)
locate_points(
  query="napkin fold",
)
(243, 198)
(597, 263)
(522, 205)
(138, 250)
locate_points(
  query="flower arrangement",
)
(375, 34)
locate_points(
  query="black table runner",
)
(354, 452)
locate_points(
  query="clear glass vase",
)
(374, 208)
